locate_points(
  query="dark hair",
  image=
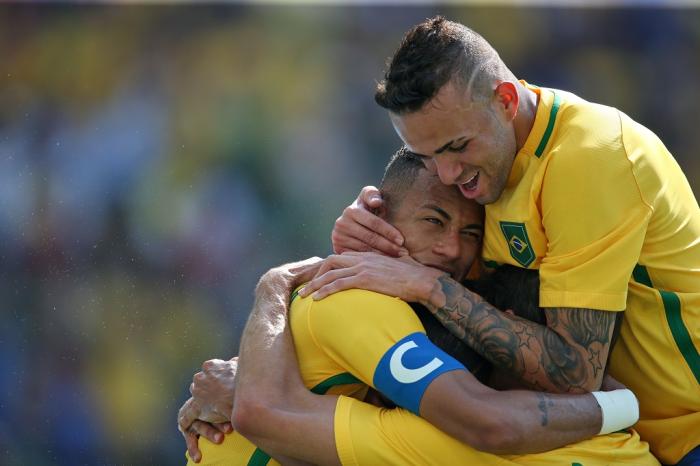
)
(431, 54)
(399, 175)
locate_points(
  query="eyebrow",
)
(447, 146)
(438, 210)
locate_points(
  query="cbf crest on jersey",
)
(518, 243)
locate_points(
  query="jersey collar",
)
(535, 144)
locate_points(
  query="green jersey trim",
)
(345, 378)
(641, 275)
(672, 306)
(672, 309)
(550, 126)
(258, 458)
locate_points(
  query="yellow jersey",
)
(601, 208)
(342, 342)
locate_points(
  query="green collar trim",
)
(550, 125)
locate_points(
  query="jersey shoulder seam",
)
(634, 175)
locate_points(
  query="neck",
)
(525, 119)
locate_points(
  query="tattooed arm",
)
(566, 356)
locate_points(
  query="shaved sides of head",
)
(433, 53)
(399, 176)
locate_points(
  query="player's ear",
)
(380, 211)
(509, 311)
(506, 94)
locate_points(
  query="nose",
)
(449, 245)
(448, 168)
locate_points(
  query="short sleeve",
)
(381, 341)
(595, 221)
(365, 434)
(355, 328)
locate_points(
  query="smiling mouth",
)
(471, 183)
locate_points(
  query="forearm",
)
(541, 421)
(287, 421)
(272, 407)
(544, 358)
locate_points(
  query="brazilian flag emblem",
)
(518, 242)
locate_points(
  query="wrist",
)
(619, 408)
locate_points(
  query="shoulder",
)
(355, 309)
(587, 133)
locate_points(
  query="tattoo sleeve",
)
(566, 356)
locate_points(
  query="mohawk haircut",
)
(430, 55)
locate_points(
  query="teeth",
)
(471, 179)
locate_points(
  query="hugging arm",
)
(566, 356)
(273, 408)
(454, 402)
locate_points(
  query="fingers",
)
(298, 267)
(223, 427)
(185, 417)
(192, 442)
(336, 261)
(370, 197)
(212, 364)
(208, 431)
(334, 281)
(345, 245)
(212, 432)
(195, 386)
(358, 229)
(372, 232)
(188, 413)
(338, 284)
(304, 274)
(341, 264)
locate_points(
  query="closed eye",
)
(459, 148)
(472, 234)
(433, 220)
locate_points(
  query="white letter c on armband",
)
(405, 375)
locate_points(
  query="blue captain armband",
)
(407, 369)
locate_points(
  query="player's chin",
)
(489, 193)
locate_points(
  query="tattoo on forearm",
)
(564, 356)
(544, 404)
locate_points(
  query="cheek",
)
(413, 242)
(430, 165)
(470, 252)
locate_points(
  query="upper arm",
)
(381, 341)
(356, 328)
(595, 221)
(587, 334)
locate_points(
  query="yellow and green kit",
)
(341, 342)
(597, 203)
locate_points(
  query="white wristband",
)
(620, 409)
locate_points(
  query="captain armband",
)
(407, 369)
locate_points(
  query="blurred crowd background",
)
(155, 160)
